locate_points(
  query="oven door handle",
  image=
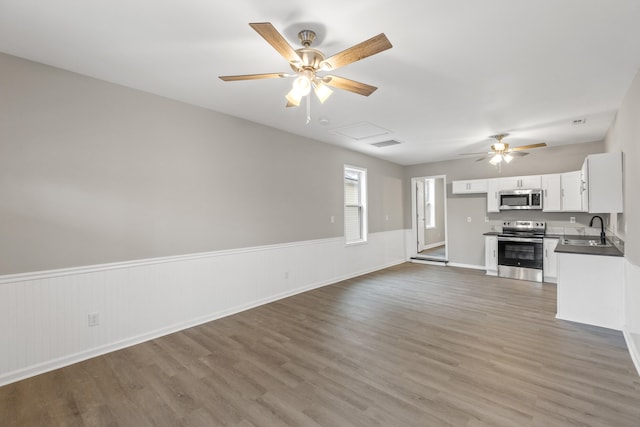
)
(519, 239)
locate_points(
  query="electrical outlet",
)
(286, 275)
(94, 319)
(572, 219)
(468, 219)
(333, 219)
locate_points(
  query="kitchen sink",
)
(585, 242)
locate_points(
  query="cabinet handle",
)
(546, 253)
(545, 192)
(494, 253)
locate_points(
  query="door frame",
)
(414, 222)
(419, 214)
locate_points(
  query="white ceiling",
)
(459, 70)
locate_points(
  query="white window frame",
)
(362, 192)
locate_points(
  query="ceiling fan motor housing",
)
(311, 58)
(306, 37)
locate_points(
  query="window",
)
(429, 203)
(355, 204)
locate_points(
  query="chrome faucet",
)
(603, 239)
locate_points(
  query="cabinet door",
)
(550, 260)
(459, 187)
(477, 186)
(491, 255)
(510, 183)
(551, 193)
(520, 182)
(531, 181)
(469, 186)
(605, 182)
(493, 201)
(571, 185)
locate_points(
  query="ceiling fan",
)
(307, 62)
(500, 151)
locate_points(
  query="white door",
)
(420, 214)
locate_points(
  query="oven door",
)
(521, 252)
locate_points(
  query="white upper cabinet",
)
(562, 192)
(493, 189)
(551, 193)
(602, 175)
(520, 182)
(469, 186)
(571, 190)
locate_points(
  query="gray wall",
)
(624, 136)
(465, 239)
(92, 172)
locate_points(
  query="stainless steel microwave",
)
(520, 199)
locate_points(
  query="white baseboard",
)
(471, 266)
(633, 344)
(48, 310)
(631, 310)
(427, 262)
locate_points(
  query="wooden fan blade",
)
(252, 77)
(350, 85)
(360, 51)
(275, 39)
(526, 147)
(483, 158)
(519, 153)
(475, 154)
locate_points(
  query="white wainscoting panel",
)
(44, 315)
(632, 311)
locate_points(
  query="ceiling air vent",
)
(385, 143)
(578, 122)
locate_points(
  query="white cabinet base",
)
(590, 289)
(550, 260)
(491, 255)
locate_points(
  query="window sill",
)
(356, 243)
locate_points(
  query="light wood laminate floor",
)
(412, 345)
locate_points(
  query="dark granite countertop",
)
(588, 250)
(613, 250)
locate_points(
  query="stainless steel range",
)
(520, 250)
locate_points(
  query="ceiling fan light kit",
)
(502, 152)
(306, 62)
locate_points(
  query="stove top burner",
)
(522, 234)
(520, 228)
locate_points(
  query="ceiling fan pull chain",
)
(308, 109)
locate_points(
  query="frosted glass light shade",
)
(294, 97)
(496, 159)
(322, 92)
